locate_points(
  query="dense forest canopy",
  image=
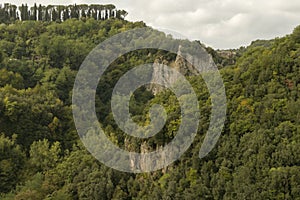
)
(41, 156)
(10, 13)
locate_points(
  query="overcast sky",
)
(217, 23)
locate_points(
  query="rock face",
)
(162, 75)
(183, 66)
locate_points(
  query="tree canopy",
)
(9, 13)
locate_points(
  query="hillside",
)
(42, 157)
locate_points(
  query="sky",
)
(221, 24)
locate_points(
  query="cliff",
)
(162, 75)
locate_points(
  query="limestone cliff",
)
(160, 74)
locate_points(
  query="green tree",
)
(12, 160)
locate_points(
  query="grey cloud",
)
(224, 23)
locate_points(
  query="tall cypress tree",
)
(66, 14)
(54, 14)
(34, 12)
(47, 16)
(21, 8)
(26, 12)
(60, 10)
(76, 12)
(40, 13)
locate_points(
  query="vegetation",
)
(10, 13)
(41, 156)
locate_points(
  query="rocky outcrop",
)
(162, 75)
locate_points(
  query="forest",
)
(9, 13)
(42, 157)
